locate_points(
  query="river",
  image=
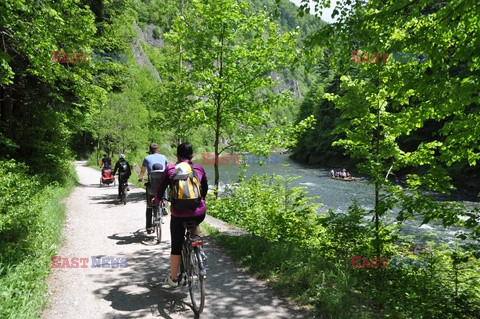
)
(334, 194)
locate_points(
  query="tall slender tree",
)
(232, 54)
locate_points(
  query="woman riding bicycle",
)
(180, 214)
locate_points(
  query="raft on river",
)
(346, 179)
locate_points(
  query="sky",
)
(327, 13)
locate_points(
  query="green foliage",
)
(156, 33)
(317, 271)
(315, 146)
(407, 117)
(268, 207)
(286, 13)
(31, 220)
(17, 209)
(227, 84)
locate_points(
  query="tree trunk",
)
(377, 188)
(218, 118)
(98, 149)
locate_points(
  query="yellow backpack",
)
(185, 187)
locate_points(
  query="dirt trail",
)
(97, 225)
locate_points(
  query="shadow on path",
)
(230, 293)
(138, 237)
(112, 199)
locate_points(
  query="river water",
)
(334, 194)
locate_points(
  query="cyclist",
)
(124, 172)
(179, 216)
(147, 166)
(105, 163)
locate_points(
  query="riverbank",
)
(310, 258)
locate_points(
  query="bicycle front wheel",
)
(196, 284)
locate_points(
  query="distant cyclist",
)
(160, 162)
(105, 162)
(124, 172)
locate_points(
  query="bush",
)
(30, 229)
(157, 33)
(17, 209)
(267, 207)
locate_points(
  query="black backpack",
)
(123, 166)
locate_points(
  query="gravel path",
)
(98, 225)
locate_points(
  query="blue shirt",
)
(151, 159)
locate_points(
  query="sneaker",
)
(170, 282)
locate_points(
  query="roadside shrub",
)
(17, 203)
(266, 206)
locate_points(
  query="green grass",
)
(25, 263)
(283, 265)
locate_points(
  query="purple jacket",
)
(166, 180)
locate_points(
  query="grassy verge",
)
(268, 261)
(31, 221)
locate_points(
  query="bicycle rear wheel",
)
(157, 223)
(124, 195)
(196, 283)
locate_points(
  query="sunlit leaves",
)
(232, 55)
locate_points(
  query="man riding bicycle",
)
(124, 172)
(154, 158)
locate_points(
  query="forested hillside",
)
(405, 63)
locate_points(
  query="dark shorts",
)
(123, 176)
(177, 231)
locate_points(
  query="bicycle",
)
(192, 267)
(123, 192)
(158, 212)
